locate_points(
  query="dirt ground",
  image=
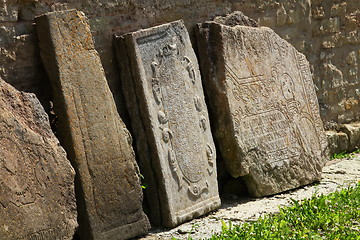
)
(336, 174)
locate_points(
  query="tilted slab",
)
(108, 187)
(37, 198)
(165, 98)
(266, 113)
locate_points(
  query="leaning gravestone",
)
(37, 199)
(165, 98)
(109, 194)
(266, 114)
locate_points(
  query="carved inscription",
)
(108, 183)
(272, 132)
(36, 179)
(311, 96)
(43, 234)
(263, 120)
(271, 122)
(198, 104)
(24, 174)
(44, 174)
(166, 79)
(253, 92)
(15, 174)
(179, 108)
(269, 130)
(55, 233)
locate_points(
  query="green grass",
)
(345, 154)
(335, 216)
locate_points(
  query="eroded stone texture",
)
(326, 31)
(236, 18)
(108, 186)
(266, 114)
(170, 119)
(37, 199)
(338, 142)
(353, 132)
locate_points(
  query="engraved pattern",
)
(44, 174)
(262, 120)
(196, 191)
(36, 179)
(186, 167)
(198, 104)
(15, 171)
(303, 67)
(162, 117)
(189, 67)
(203, 123)
(155, 82)
(92, 153)
(49, 233)
(210, 153)
(174, 167)
(167, 135)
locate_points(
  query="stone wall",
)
(336, 43)
(326, 31)
(20, 63)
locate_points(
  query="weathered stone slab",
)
(109, 194)
(338, 142)
(165, 98)
(266, 114)
(37, 199)
(352, 130)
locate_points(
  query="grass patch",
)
(335, 216)
(345, 154)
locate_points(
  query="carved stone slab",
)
(170, 119)
(37, 199)
(108, 186)
(266, 120)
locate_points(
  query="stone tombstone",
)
(162, 86)
(37, 199)
(266, 114)
(108, 188)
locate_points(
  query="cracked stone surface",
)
(37, 198)
(97, 142)
(336, 174)
(169, 117)
(261, 92)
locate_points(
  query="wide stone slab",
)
(266, 114)
(108, 187)
(162, 86)
(37, 199)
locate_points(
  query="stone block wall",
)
(20, 63)
(336, 41)
(326, 31)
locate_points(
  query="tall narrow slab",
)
(108, 187)
(266, 118)
(165, 98)
(37, 199)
